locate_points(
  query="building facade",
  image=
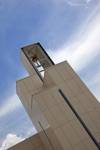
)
(31, 143)
(61, 107)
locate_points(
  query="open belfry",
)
(61, 107)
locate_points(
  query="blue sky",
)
(68, 30)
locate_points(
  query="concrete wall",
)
(32, 143)
(51, 114)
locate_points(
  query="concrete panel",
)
(32, 143)
(51, 114)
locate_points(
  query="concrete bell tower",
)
(61, 107)
(35, 59)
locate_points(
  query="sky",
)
(67, 29)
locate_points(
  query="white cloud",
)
(88, 1)
(9, 105)
(10, 140)
(83, 49)
(74, 2)
(77, 2)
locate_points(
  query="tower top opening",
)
(35, 57)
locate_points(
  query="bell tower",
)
(62, 108)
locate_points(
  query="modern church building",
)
(61, 107)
